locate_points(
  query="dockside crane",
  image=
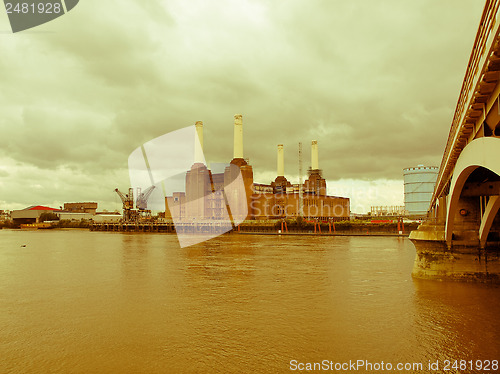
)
(142, 202)
(142, 198)
(128, 204)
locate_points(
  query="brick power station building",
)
(206, 198)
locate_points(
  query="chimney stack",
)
(198, 144)
(281, 161)
(314, 155)
(238, 136)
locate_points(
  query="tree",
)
(49, 216)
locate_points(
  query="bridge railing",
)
(484, 37)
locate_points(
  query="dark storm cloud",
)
(375, 83)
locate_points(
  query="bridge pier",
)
(467, 262)
(461, 240)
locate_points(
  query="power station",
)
(206, 195)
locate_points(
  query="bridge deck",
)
(478, 93)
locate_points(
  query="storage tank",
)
(419, 184)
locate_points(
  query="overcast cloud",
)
(375, 82)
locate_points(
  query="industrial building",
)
(90, 208)
(86, 211)
(30, 214)
(78, 211)
(419, 185)
(204, 196)
(72, 212)
(282, 199)
(391, 210)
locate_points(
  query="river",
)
(74, 301)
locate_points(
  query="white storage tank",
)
(419, 184)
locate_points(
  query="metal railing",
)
(486, 26)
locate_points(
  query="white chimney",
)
(281, 161)
(238, 136)
(314, 155)
(198, 144)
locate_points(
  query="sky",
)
(375, 82)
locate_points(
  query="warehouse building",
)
(30, 214)
(90, 208)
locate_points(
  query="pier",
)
(265, 227)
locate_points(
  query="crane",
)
(127, 203)
(142, 198)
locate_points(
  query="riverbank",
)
(404, 234)
(269, 227)
(356, 228)
(276, 227)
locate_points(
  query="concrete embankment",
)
(270, 228)
(345, 228)
(405, 234)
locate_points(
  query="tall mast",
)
(301, 202)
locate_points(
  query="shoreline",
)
(322, 234)
(233, 232)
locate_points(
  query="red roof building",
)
(40, 207)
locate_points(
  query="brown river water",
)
(74, 301)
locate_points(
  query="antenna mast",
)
(301, 202)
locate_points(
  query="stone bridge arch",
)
(482, 152)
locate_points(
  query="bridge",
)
(461, 238)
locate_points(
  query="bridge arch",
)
(487, 220)
(482, 152)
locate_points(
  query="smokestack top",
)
(198, 143)
(238, 136)
(281, 161)
(314, 155)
